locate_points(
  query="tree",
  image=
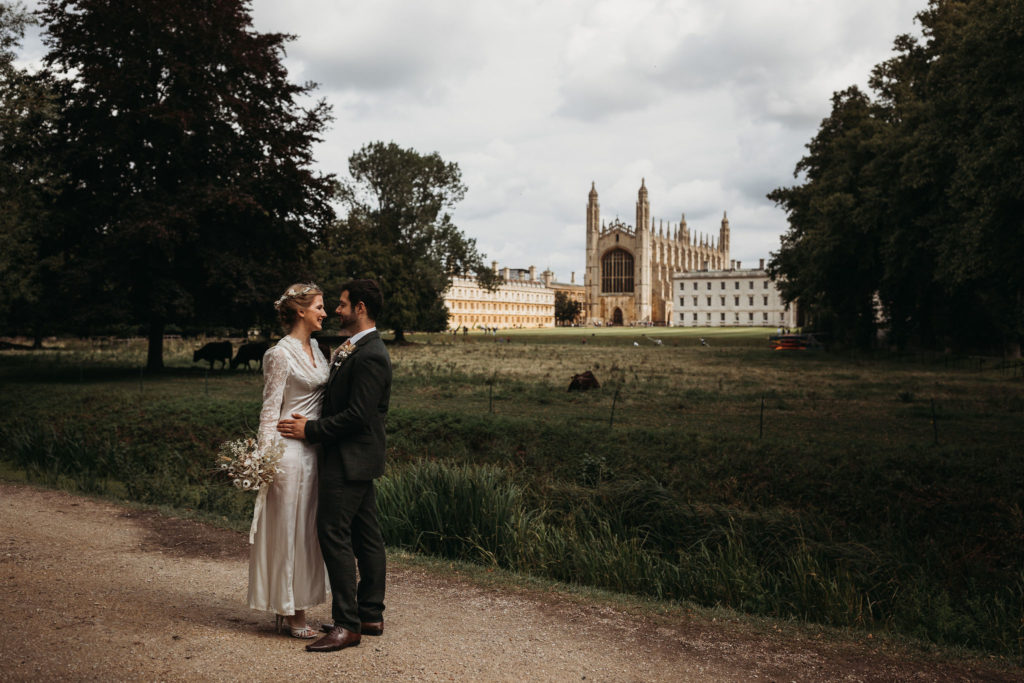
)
(567, 309)
(28, 272)
(918, 196)
(187, 191)
(399, 231)
(829, 256)
(975, 54)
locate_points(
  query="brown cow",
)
(584, 381)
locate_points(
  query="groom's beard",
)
(348, 325)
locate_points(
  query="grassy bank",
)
(883, 493)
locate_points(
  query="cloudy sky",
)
(712, 101)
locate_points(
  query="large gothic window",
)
(617, 272)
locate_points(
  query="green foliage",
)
(29, 272)
(567, 309)
(916, 197)
(186, 187)
(399, 232)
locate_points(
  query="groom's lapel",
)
(358, 345)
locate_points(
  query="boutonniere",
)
(341, 353)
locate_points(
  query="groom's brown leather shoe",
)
(337, 639)
(366, 628)
(372, 628)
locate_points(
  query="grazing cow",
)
(249, 352)
(214, 351)
(584, 381)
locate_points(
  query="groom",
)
(351, 430)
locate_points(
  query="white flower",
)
(247, 465)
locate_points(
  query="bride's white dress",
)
(286, 569)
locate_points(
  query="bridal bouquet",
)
(251, 469)
(248, 467)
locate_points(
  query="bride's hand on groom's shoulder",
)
(294, 428)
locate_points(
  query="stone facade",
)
(630, 269)
(521, 301)
(735, 297)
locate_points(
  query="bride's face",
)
(314, 314)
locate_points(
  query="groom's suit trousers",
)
(349, 534)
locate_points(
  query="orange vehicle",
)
(793, 342)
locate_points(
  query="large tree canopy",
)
(399, 231)
(187, 190)
(915, 199)
(26, 115)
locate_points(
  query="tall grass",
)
(764, 564)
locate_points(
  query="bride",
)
(286, 570)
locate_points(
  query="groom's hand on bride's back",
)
(294, 428)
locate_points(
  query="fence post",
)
(615, 398)
(760, 427)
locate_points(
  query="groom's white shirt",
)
(359, 335)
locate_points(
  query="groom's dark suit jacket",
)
(355, 405)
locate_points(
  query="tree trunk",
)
(155, 349)
(399, 335)
(37, 341)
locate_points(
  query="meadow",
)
(883, 492)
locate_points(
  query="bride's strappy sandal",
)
(303, 632)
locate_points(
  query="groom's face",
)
(345, 312)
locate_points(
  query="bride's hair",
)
(294, 299)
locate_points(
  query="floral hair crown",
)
(295, 293)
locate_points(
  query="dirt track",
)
(92, 589)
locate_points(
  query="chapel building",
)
(630, 269)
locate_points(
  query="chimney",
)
(572, 278)
(762, 264)
(505, 273)
(739, 265)
(533, 273)
(548, 276)
(494, 266)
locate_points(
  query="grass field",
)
(882, 492)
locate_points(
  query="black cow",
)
(250, 352)
(214, 351)
(584, 381)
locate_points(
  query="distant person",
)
(351, 431)
(286, 568)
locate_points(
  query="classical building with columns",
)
(630, 268)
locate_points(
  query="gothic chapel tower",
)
(644, 227)
(592, 277)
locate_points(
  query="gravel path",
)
(94, 590)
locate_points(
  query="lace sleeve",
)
(275, 375)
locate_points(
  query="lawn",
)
(882, 492)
